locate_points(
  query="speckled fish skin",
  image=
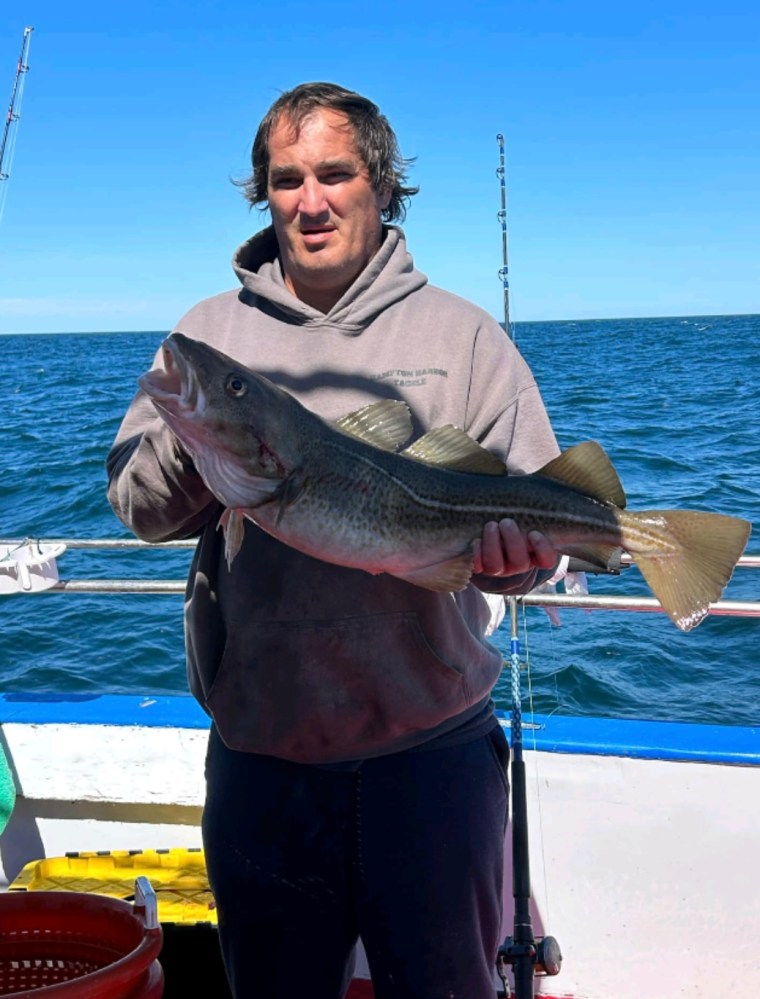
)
(341, 494)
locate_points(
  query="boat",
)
(641, 846)
(642, 834)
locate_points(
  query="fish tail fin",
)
(691, 570)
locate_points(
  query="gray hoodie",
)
(291, 656)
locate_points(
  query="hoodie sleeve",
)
(505, 411)
(153, 486)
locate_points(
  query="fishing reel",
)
(541, 958)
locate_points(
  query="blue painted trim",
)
(649, 740)
(162, 711)
(646, 740)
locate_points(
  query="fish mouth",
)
(175, 388)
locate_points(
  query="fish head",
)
(231, 420)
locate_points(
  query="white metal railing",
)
(96, 543)
(726, 608)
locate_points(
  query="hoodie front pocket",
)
(316, 691)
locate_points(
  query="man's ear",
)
(383, 198)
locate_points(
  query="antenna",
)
(501, 215)
(8, 144)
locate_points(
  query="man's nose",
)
(313, 200)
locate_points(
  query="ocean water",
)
(673, 401)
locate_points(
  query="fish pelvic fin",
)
(442, 577)
(386, 424)
(587, 469)
(698, 563)
(452, 448)
(232, 523)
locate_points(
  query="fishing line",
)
(552, 658)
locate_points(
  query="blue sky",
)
(632, 131)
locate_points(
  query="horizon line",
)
(517, 322)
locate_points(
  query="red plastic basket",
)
(67, 944)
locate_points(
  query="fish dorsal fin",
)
(449, 447)
(587, 468)
(386, 424)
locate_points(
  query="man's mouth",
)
(316, 231)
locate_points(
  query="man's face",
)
(325, 212)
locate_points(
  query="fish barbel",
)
(341, 493)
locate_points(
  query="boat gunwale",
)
(555, 733)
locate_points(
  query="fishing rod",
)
(501, 215)
(522, 952)
(526, 955)
(7, 144)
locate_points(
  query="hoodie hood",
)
(388, 278)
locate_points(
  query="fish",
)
(350, 492)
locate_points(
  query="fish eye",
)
(236, 386)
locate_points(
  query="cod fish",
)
(341, 493)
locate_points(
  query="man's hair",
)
(374, 138)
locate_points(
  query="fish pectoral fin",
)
(386, 424)
(232, 523)
(443, 577)
(587, 469)
(452, 448)
(289, 491)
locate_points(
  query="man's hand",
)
(505, 551)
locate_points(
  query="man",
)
(356, 781)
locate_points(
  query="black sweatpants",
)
(405, 852)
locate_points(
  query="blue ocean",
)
(674, 402)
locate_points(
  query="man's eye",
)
(285, 183)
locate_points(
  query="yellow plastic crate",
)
(178, 877)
